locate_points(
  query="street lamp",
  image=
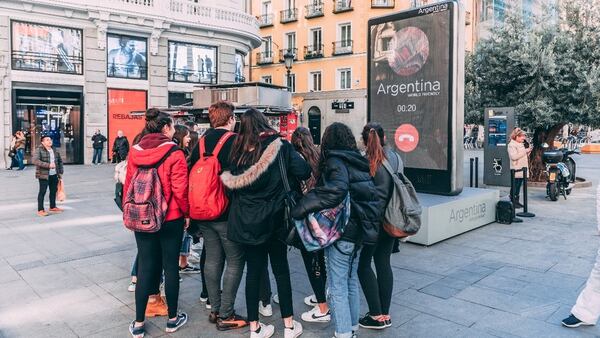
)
(289, 61)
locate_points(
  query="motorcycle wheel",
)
(568, 191)
(552, 191)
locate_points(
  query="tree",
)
(547, 68)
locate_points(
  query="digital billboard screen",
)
(412, 88)
(127, 56)
(190, 62)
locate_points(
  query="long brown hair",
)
(247, 147)
(373, 138)
(303, 143)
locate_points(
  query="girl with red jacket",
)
(160, 250)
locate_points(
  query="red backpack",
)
(145, 206)
(207, 193)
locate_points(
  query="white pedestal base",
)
(447, 216)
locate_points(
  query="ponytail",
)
(373, 139)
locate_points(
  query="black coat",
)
(256, 212)
(98, 141)
(348, 171)
(121, 147)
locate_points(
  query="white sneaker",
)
(311, 300)
(294, 332)
(266, 311)
(131, 287)
(276, 298)
(316, 316)
(264, 331)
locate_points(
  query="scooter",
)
(560, 172)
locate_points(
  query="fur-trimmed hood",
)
(253, 173)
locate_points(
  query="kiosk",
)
(498, 124)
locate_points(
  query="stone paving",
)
(66, 275)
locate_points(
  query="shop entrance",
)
(53, 113)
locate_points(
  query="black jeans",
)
(377, 289)
(52, 183)
(157, 252)
(314, 262)
(257, 257)
(517, 188)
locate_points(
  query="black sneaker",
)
(388, 323)
(189, 269)
(368, 322)
(174, 325)
(136, 332)
(572, 321)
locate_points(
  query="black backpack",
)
(505, 212)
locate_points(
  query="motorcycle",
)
(560, 172)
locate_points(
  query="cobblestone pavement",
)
(66, 275)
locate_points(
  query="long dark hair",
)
(303, 143)
(156, 120)
(181, 132)
(247, 148)
(373, 138)
(193, 139)
(337, 136)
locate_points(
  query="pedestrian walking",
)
(120, 148)
(12, 152)
(256, 216)
(586, 310)
(519, 159)
(20, 149)
(98, 144)
(342, 171)
(378, 288)
(217, 142)
(158, 251)
(314, 262)
(48, 170)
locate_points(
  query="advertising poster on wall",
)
(412, 86)
(192, 62)
(239, 67)
(127, 56)
(46, 48)
(121, 104)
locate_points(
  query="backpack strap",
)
(221, 143)
(164, 158)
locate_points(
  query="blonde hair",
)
(516, 133)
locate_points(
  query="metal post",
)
(525, 213)
(289, 82)
(471, 172)
(476, 172)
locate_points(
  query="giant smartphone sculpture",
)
(416, 91)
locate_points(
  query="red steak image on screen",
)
(410, 50)
(407, 138)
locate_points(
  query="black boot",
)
(515, 201)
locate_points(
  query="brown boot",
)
(156, 306)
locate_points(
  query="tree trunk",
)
(541, 136)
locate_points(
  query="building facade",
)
(70, 67)
(329, 41)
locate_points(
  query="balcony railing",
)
(127, 71)
(263, 58)
(340, 6)
(240, 79)
(342, 47)
(283, 51)
(265, 20)
(187, 75)
(289, 15)
(383, 3)
(43, 62)
(315, 10)
(313, 52)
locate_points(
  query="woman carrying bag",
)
(256, 216)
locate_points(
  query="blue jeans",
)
(97, 156)
(343, 288)
(185, 245)
(20, 157)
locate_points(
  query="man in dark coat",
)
(48, 170)
(98, 144)
(120, 148)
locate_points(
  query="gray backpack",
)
(403, 213)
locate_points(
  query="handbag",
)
(61, 195)
(290, 201)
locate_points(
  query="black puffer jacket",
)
(347, 171)
(256, 212)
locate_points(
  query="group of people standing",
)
(250, 232)
(17, 151)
